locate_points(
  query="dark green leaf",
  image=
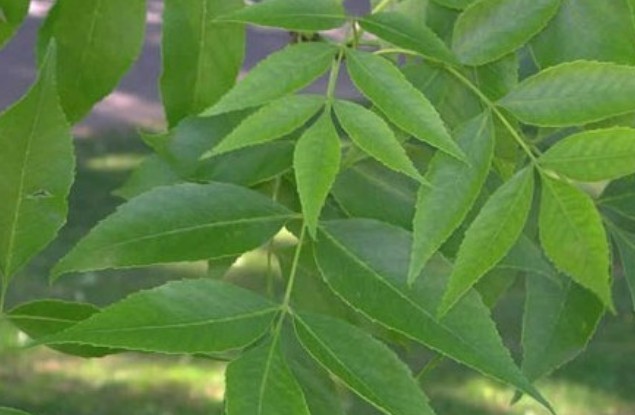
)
(373, 135)
(152, 172)
(388, 89)
(272, 121)
(9, 411)
(201, 57)
(593, 155)
(282, 73)
(97, 43)
(441, 208)
(373, 281)
(587, 29)
(618, 202)
(625, 242)
(572, 235)
(12, 13)
(305, 15)
(316, 162)
(408, 33)
(260, 382)
(455, 4)
(190, 316)
(36, 166)
(560, 318)
(526, 256)
(184, 222)
(573, 93)
(490, 29)
(43, 318)
(362, 191)
(500, 222)
(346, 351)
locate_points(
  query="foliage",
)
(487, 133)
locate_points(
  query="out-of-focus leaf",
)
(12, 14)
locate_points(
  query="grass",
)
(600, 382)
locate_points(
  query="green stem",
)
(333, 77)
(294, 270)
(400, 51)
(270, 276)
(381, 6)
(520, 140)
(430, 366)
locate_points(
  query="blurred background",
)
(601, 382)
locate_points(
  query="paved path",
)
(135, 103)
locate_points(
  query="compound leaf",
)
(383, 83)
(190, 316)
(304, 15)
(280, 74)
(593, 155)
(455, 185)
(500, 222)
(572, 235)
(573, 93)
(316, 162)
(346, 351)
(201, 57)
(185, 222)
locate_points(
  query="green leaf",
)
(618, 202)
(304, 15)
(593, 155)
(365, 262)
(587, 29)
(346, 351)
(441, 208)
(43, 318)
(152, 172)
(383, 83)
(97, 44)
(408, 33)
(490, 29)
(572, 235)
(37, 167)
(373, 135)
(190, 316)
(280, 74)
(185, 222)
(272, 121)
(455, 4)
(573, 93)
(201, 57)
(527, 256)
(12, 14)
(560, 318)
(260, 382)
(362, 190)
(625, 242)
(500, 222)
(9, 411)
(316, 162)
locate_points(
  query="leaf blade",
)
(12, 14)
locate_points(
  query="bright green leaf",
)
(408, 33)
(12, 14)
(625, 242)
(573, 93)
(346, 351)
(441, 208)
(201, 57)
(403, 104)
(361, 191)
(371, 133)
(260, 382)
(46, 317)
(587, 29)
(593, 155)
(37, 168)
(97, 43)
(500, 222)
(373, 281)
(272, 121)
(184, 222)
(304, 15)
(572, 235)
(190, 316)
(560, 318)
(282, 73)
(490, 29)
(316, 162)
